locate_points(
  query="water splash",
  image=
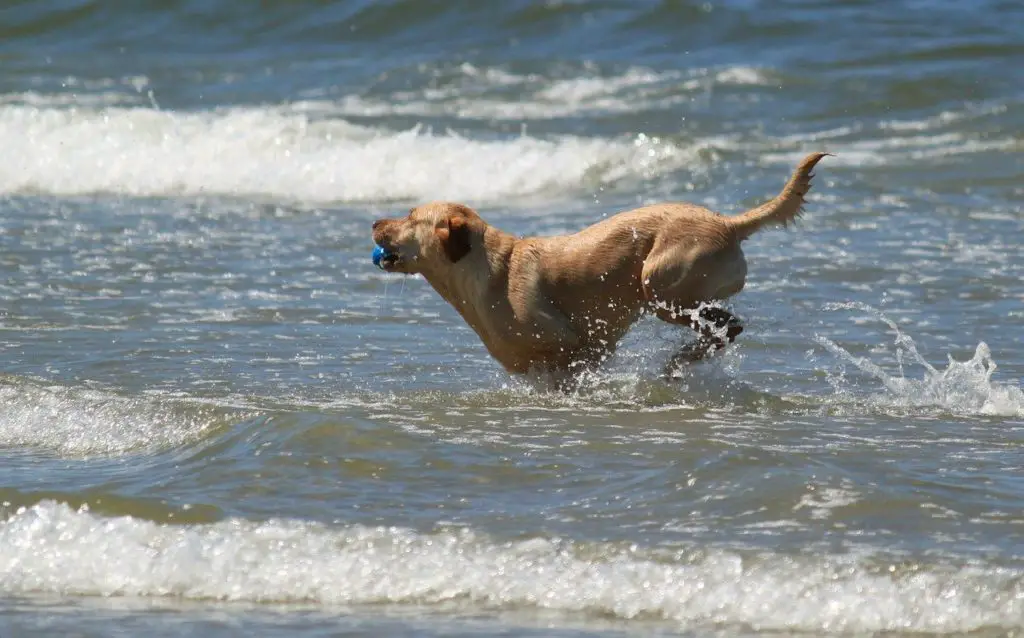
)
(962, 387)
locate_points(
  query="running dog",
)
(560, 305)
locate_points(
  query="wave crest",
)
(52, 548)
(285, 153)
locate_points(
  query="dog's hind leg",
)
(716, 327)
(717, 324)
(680, 280)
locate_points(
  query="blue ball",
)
(378, 254)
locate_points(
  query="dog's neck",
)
(471, 277)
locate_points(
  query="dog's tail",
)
(786, 206)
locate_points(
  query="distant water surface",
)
(217, 418)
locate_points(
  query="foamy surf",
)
(287, 153)
(901, 142)
(962, 387)
(51, 548)
(474, 92)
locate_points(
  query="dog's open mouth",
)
(384, 259)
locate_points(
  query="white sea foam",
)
(284, 152)
(945, 118)
(899, 151)
(482, 93)
(51, 548)
(48, 100)
(821, 502)
(88, 422)
(963, 387)
(896, 142)
(741, 75)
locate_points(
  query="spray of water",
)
(962, 387)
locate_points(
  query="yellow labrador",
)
(560, 304)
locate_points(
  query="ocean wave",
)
(469, 91)
(80, 422)
(312, 151)
(902, 152)
(52, 548)
(973, 129)
(358, 26)
(285, 153)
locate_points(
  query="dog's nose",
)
(377, 223)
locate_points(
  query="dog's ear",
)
(454, 238)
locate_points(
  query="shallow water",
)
(217, 417)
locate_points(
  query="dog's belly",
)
(522, 358)
(601, 313)
(544, 360)
(597, 332)
(603, 330)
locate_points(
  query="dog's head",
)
(431, 236)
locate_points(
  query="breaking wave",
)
(51, 548)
